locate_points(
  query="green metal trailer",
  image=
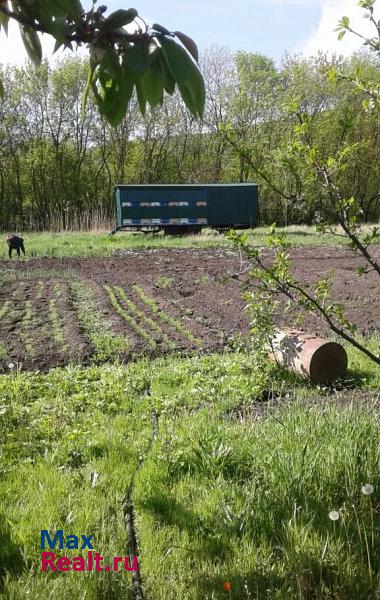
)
(186, 208)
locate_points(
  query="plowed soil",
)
(192, 297)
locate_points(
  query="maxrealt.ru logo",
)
(93, 561)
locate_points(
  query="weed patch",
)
(215, 500)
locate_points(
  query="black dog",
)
(15, 243)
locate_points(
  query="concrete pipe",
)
(311, 357)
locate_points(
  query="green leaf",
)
(139, 57)
(141, 98)
(193, 93)
(129, 81)
(160, 29)
(345, 22)
(4, 20)
(341, 35)
(110, 63)
(96, 53)
(57, 46)
(117, 19)
(151, 85)
(189, 44)
(113, 101)
(167, 78)
(186, 74)
(58, 27)
(90, 78)
(32, 43)
(2, 91)
(176, 59)
(69, 8)
(112, 89)
(53, 15)
(188, 98)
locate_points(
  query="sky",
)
(271, 27)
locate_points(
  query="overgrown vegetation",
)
(62, 177)
(100, 243)
(243, 481)
(325, 172)
(233, 490)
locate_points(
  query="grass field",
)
(100, 243)
(231, 487)
(243, 482)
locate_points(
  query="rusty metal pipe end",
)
(314, 358)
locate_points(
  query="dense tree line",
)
(58, 165)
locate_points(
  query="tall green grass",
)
(100, 243)
(234, 490)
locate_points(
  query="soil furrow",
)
(181, 294)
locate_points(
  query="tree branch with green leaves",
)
(336, 208)
(324, 173)
(274, 279)
(126, 55)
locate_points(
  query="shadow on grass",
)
(254, 585)
(11, 558)
(306, 571)
(299, 232)
(355, 380)
(310, 581)
(359, 379)
(110, 588)
(291, 571)
(169, 512)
